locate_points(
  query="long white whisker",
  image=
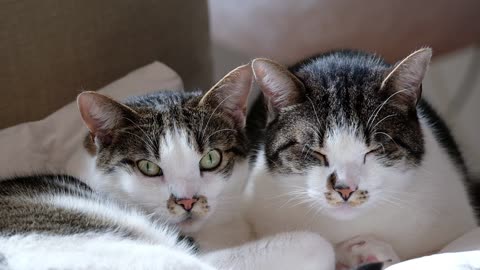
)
(386, 117)
(141, 129)
(221, 130)
(390, 137)
(315, 111)
(147, 144)
(215, 110)
(379, 108)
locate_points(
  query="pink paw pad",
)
(363, 250)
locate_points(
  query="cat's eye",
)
(373, 151)
(149, 168)
(321, 156)
(211, 160)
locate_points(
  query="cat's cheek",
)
(392, 178)
(212, 185)
(373, 176)
(317, 181)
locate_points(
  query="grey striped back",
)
(43, 204)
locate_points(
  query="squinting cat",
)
(348, 148)
(163, 160)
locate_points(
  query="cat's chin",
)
(343, 212)
(190, 225)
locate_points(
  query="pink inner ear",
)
(235, 106)
(230, 94)
(85, 104)
(278, 99)
(89, 106)
(280, 87)
(96, 112)
(239, 116)
(407, 76)
(92, 124)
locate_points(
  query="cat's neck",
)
(227, 226)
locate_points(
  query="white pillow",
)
(46, 145)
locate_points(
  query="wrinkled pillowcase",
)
(46, 145)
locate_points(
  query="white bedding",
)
(463, 253)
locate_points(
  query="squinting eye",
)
(149, 168)
(211, 160)
(370, 152)
(321, 157)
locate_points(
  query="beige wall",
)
(52, 49)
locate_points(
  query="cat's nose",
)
(342, 188)
(344, 191)
(187, 204)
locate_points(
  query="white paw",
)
(362, 250)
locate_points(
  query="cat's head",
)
(343, 129)
(173, 154)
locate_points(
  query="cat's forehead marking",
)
(343, 143)
(178, 156)
(176, 143)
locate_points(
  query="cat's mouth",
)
(356, 199)
(346, 209)
(188, 215)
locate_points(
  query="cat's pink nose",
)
(344, 191)
(187, 204)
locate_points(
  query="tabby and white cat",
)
(165, 159)
(350, 149)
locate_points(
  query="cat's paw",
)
(365, 252)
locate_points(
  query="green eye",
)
(149, 168)
(211, 160)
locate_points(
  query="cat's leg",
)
(365, 252)
(87, 252)
(294, 250)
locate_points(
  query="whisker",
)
(215, 110)
(142, 130)
(315, 111)
(390, 137)
(383, 119)
(221, 130)
(309, 150)
(380, 107)
(149, 147)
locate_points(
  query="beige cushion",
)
(48, 144)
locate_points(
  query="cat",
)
(155, 162)
(58, 222)
(347, 147)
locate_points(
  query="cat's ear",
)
(103, 115)
(403, 82)
(230, 94)
(279, 86)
